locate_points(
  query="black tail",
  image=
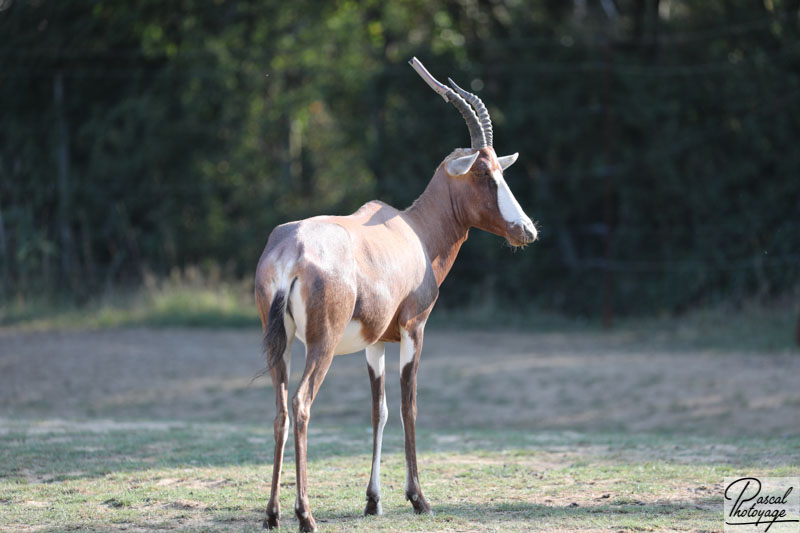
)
(275, 337)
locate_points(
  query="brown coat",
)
(345, 283)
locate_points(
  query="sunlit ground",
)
(556, 428)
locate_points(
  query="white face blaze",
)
(508, 205)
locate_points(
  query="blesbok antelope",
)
(342, 284)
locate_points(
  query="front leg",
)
(410, 350)
(377, 378)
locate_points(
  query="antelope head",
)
(478, 191)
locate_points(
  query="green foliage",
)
(191, 130)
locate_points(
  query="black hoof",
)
(373, 507)
(418, 503)
(307, 523)
(272, 521)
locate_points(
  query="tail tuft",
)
(275, 337)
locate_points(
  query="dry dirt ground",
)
(142, 429)
(530, 381)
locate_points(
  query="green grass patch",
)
(184, 299)
(215, 477)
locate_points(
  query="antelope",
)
(342, 284)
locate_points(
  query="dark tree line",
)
(658, 139)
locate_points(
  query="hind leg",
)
(318, 360)
(280, 381)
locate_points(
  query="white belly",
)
(352, 341)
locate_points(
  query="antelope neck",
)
(435, 216)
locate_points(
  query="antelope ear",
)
(461, 165)
(507, 160)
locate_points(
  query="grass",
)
(161, 429)
(752, 326)
(214, 477)
(184, 299)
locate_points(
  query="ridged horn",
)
(483, 113)
(476, 132)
